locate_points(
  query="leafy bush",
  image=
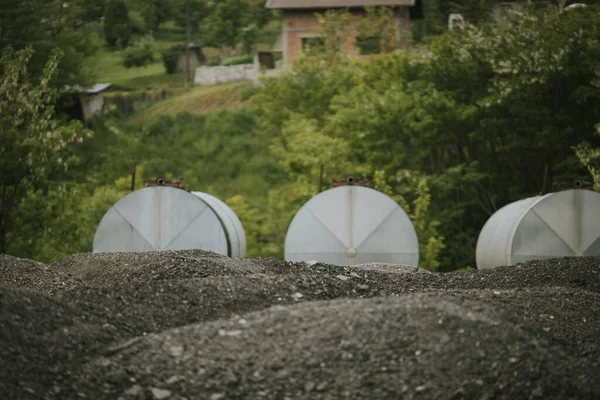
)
(238, 60)
(140, 54)
(170, 57)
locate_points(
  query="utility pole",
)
(187, 43)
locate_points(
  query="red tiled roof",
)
(297, 4)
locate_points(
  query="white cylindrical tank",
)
(559, 224)
(349, 225)
(169, 218)
(233, 226)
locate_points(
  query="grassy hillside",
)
(199, 100)
(107, 64)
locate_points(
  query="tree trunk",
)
(187, 43)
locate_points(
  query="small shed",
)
(84, 102)
(197, 57)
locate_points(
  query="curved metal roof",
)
(559, 224)
(350, 225)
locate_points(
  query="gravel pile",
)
(108, 269)
(115, 308)
(42, 341)
(414, 346)
(27, 274)
(574, 272)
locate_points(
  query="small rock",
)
(309, 386)
(160, 394)
(342, 277)
(223, 332)
(297, 296)
(354, 274)
(420, 388)
(362, 287)
(173, 379)
(512, 359)
(134, 390)
(217, 396)
(321, 386)
(176, 351)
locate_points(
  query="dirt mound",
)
(41, 341)
(27, 274)
(414, 346)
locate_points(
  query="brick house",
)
(300, 24)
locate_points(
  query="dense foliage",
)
(140, 54)
(45, 26)
(479, 114)
(117, 25)
(33, 143)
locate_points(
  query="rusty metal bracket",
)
(162, 181)
(558, 186)
(351, 181)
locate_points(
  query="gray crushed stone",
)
(111, 303)
(42, 341)
(413, 346)
(28, 274)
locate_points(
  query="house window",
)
(368, 44)
(313, 43)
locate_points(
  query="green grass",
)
(108, 67)
(198, 100)
(107, 63)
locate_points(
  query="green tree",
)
(155, 12)
(198, 12)
(480, 114)
(430, 242)
(232, 22)
(34, 143)
(376, 32)
(590, 158)
(91, 10)
(44, 26)
(117, 26)
(225, 23)
(140, 54)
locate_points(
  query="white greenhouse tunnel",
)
(559, 224)
(168, 218)
(349, 225)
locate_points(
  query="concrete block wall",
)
(206, 76)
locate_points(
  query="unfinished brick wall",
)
(300, 24)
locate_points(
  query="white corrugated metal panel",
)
(350, 225)
(559, 224)
(232, 224)
(160, 218)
